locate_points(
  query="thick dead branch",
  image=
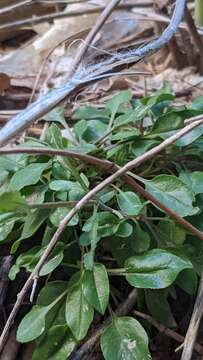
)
(89, 196)
(87, 75)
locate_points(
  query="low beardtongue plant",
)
(121, 239)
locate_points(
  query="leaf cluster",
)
(118, 234)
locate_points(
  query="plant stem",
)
(119, 272)
(70, 265)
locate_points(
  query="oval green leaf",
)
(173, 193)
(129, 203)
(156, 269)
(79, 313)
(58, 344)
(30, 175)
(95, 285)
(125, 339)
(33, 324)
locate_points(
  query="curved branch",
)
(89, 74)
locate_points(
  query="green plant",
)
(198, 13)
(117, 234)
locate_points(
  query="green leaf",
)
(172, 120)
(197, 103)
(58, 344)
(126, 135)
(188, 281)
(194, 181)
(33, 324)
(3, 177)
(11, 201)
(90, 112)
(129, 202)
(33, 221)
(190, 137)
(59, 172)
(76, 191)
(59, 214)
(121, 248)
(95, 285)
(56, 115)
(125, 229)
(79, 313)
(131, 116)
(108, 224)
(171, 233)
(106, 195)
(79, 128)
(54, 137)
(159, 308)
(61, 185)
(142, 145)
(125, 339)
(25, 260)
(156, 269)
(85, 239)
(95, 130)
(142, 239)
(173, 193)
(30, 175)
(89, 257)
(51, 291)
(114, 103)
(10, 163)
(51, 264)
(14, 270)
(5, 229)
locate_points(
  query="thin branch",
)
(89, 196)
(192, 331)
(87, 75)
(123, 309)
(166, 331)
